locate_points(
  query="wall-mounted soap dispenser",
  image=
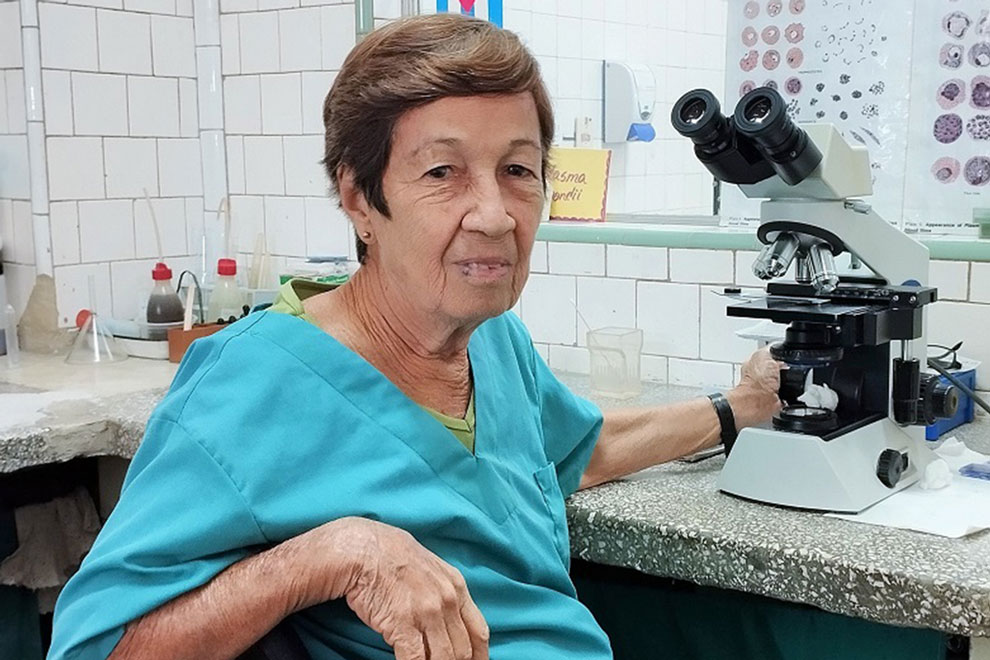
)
(629, 96)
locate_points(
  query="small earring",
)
(366, 234)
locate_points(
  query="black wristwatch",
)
(725, 419)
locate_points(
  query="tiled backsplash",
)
(194, 102)
(683, 44)
(673, 296)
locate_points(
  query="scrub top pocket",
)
(546, 479)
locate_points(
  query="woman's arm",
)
(633, 439)
(416, 601)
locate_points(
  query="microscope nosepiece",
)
(776, 257)
(821, 266)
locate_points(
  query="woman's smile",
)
(485, 270)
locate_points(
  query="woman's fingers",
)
(477, 629)
(437, 641)
(460, 639)
(408, 645)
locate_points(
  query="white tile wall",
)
(67, 177)
(259, 42)
(171, 216)
(281, 112)
(263, 165)
(548, 308)
(68, 37)
(979, 283)
(131, 167)
(99, 104)
(120, 90)
(153, 105)
(299, 40)
(173, 46)
(179, 168)
(669, 315)
(10, 36)
(576, 258)
(951, 278)
(643, 263)
(328, 230)
(605, 302)
(14, 100)
(124, 42)
(304, 173)
(571, 39)
(315, 86)
(14, 182)
(58, 101)
(72, 291)
(242, 104)
(106, 230)
(338, 30)
(538, 257)
(283, 217)
(708, 266)
(65, 233)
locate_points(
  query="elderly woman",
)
(385, 464)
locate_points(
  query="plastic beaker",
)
(615, 354)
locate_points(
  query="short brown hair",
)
(407, 64)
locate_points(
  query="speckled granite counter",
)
(671, 521)
(667, 521)
(51, 412)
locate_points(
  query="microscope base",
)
(804, 471)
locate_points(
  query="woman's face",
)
(465, 195)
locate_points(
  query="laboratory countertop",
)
(669, 520)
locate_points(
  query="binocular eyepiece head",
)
(756, 142)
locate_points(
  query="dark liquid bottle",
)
(164, 305)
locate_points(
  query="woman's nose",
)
(487, 213)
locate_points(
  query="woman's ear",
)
(353, 201)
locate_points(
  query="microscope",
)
(857, 329)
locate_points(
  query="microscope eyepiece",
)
(693, 111)
(758, 110)
(698, 116)
(761, 116)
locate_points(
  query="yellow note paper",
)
(579, 183)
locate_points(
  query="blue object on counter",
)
(964, 413)
(641, 133)
(976, 471)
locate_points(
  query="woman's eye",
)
(440, 172)
(518, 170)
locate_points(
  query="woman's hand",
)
(755, 400)
(419, 603)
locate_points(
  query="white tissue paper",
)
(937, 475)
(818, 396)
(941, 503)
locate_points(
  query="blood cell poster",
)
(844, 62)
(949, 160)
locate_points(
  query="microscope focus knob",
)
(890, 466)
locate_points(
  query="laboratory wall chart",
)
(948, 166)
(844, 62)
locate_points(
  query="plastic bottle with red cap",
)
(164, 305)
(227, 298)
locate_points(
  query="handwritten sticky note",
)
(579, 183)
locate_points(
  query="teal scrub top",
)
(272, 428)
